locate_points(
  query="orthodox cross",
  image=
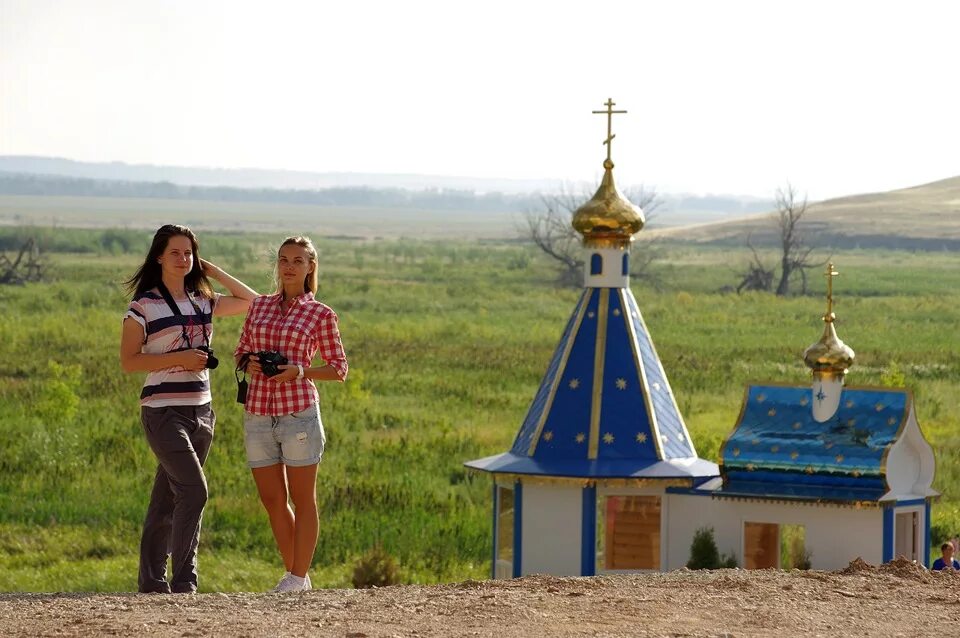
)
(609, 112)
(830, 274)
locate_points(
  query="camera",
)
(212, 361)
(269, 361)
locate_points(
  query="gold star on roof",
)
(621, 384)
(809, 469)
(852, 422)
(608, 438)
(548, 435)
(828, 444)
(581, 437)
(641, 437)
(794, 455)
(761, 398)
(878, 407)
(751, 467)
(616, 312)
(590, 315)
(849, 404)
(775, 449)
(804, 401)
(839, 458)
(663, 437)
(891, 421)
(856, 473)
(797, 425)
(736, 451)
(771, 412)
(574, 384)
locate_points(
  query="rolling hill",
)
(925, 217)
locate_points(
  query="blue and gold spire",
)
(605, 408)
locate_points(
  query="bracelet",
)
(299, 371)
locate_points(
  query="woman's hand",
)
(210, 270)
(240, 293)
(289, 373)
(192, 360)
(253, 365)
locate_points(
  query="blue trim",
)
(496, 508)
(626, 265)
(596, 264)
(926, 534)
(912, 501)
(887, 535)
(517, 527)
(588, 533)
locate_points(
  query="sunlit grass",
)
(447, 344)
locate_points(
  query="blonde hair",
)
(310, 282)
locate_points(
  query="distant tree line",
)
(427, 199)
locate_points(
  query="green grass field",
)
(447, 342)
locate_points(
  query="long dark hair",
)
(148, 276)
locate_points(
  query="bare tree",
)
(757, 275)
(28, 265)
(794, 251)
(550, 229)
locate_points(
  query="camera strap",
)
(240, 372)
(175, 309)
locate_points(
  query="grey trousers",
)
(180, 437)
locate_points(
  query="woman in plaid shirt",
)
(282, 428)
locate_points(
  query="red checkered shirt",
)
(308, 328)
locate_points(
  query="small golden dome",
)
(830, 356)
(608, 215)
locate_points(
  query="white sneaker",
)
(290, 583)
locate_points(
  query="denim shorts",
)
(292, 439)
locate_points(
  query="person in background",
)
(946, 560)
(283, 431)
(167, 333)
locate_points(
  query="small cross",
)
(830, 274)
(609, 112)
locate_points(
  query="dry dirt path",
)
(897, 599)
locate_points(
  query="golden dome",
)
(608, 216)
(829, 357)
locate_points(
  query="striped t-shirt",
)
(164, 332)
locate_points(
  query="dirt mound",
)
(900, 598)
(905, 568)
(857, 566)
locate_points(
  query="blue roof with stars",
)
(779, 450)
(605, 408)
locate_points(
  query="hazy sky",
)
(837, 97)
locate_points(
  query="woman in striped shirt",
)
(282, 428)
(167, 332)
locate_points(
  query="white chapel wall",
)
(834, 535)
(552, 524)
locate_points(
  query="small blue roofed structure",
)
(797, 491)
(581, 489)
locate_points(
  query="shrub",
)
(703, 550)
(704, 553)
(376, 568)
